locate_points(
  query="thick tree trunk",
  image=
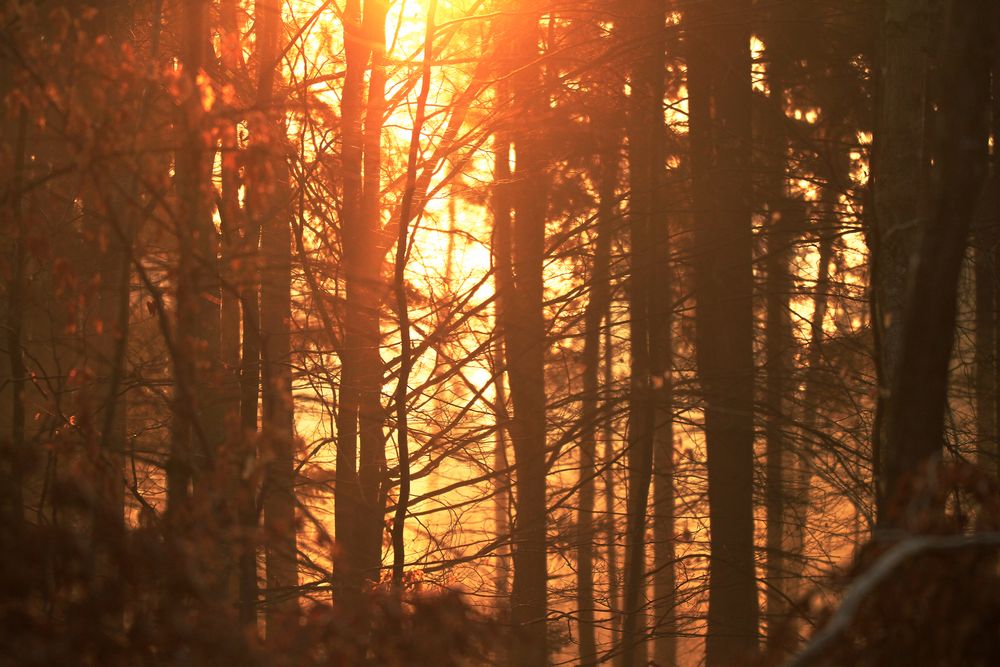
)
(12, 487)
(990, 453)
(899, 183)
(987, 282)
(719, 99)
(199, 429)
(919, 395)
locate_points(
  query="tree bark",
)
(273, 200)
(240, 354)
(13, 481)
(198, 430)
(360, 494)
(919, 396)
(899, 182)
(524, 337)
(610, 510)
(719, 88)
(590, 414)
(650, 321)
(784, 216)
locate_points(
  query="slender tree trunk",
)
(347, 496)
(273, 199)
(500, 204)
(784, 217)
(594, 313)
(986, 399)
(249, 232)
(719, 101)
(371, 415)
(239, 309)
(650, 322)
(778, 346)
(610, 510)
(501, 469)
(247, 505)
(800, 493)
(360, 494)
(402, 241)
(666, 629)
(524, 334)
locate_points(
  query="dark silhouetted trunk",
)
(918, 400)
(784, 216)
(500, 208)
(14, 448)
(649, 320)
(239, 357)
(198, 429)
(277, 408)
(719, 101)
(524, 337)
(360, 441)
(899, 184)
(610, 509)
(590, 414)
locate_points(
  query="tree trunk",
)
(277, 407)
(524, 337)
(239, 308)
(360, 492)
(989, 450)
(13, 473)
(784, 217)
(594, 313)
(500, 204)
(719, 101)
(610, 509)
(399, 283)
(800, 488)
(650, 321)
(199, 429)
(899, 182)
(919, 396)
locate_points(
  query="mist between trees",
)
(499, 332)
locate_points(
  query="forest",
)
(499, 332)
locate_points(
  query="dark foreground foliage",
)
(928, 595)
(74, 594)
